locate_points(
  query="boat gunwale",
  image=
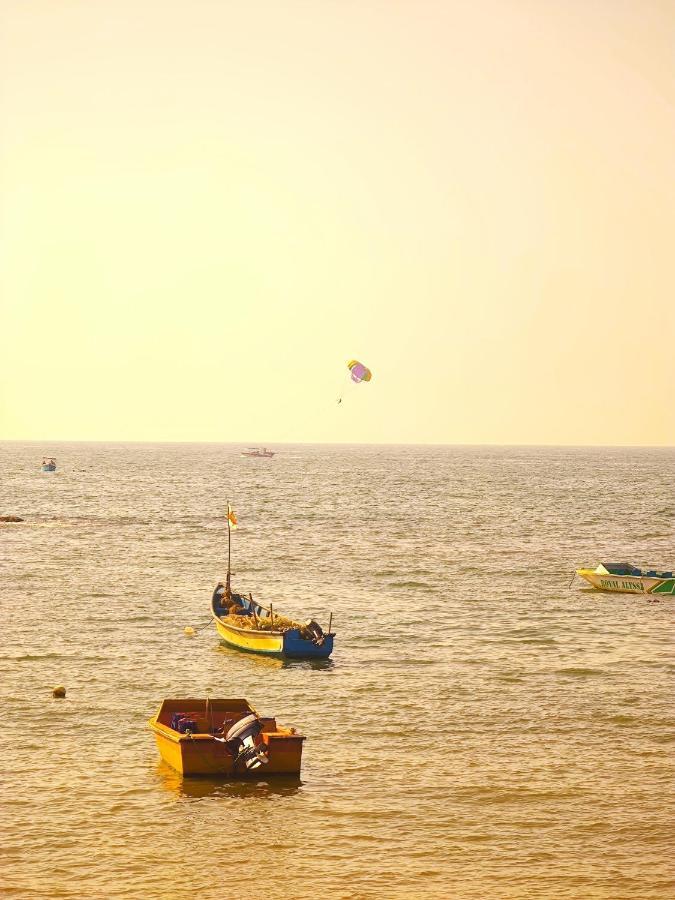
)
(280, 733)
(257, 631)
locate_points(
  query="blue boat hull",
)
(49, 468)
(296, 647)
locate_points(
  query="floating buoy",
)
(189, 631)
(59, 691)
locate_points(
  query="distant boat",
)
(224, 738)
(625, 578)
(260, 452)
(247, 625)
(49, 464)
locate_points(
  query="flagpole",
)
(228, 591)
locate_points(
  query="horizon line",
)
(330, 443)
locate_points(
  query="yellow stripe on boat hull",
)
(253, 641)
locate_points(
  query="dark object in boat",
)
(242, 737)
(622, 569)
(313, 632)
(184, 724)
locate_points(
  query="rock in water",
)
(11, 519)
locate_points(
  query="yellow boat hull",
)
(269, 642)
(621, 584)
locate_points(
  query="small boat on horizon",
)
(48, 464)
(224, 738)
(625, 578)
(258, 452)
(247, 625)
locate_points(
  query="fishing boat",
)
(48, 464)
(247, 625)
(258, 452)
(625, 578)
(224, 738)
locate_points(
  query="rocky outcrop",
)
(10, 519)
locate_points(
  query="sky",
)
(208, 207)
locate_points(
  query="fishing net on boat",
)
(279, 623)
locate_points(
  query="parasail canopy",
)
(359, 371)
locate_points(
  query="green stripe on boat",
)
(666, 587)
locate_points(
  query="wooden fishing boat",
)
(625, 578)
(247, 625)
(48, 464)
(303, 641)
(224, 738)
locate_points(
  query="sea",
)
(487, 727)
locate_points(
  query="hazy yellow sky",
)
(208, 207)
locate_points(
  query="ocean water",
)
(483, 730)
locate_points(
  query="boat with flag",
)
(245, 624)
(625, 578)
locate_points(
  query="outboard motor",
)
(315, 631)
(241, 737)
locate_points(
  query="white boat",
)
(258, 452)
(625, 578)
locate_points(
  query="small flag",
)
(231, 518)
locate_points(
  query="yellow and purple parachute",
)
(359, 371)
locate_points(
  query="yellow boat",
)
(624, 578)
(224, 738)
